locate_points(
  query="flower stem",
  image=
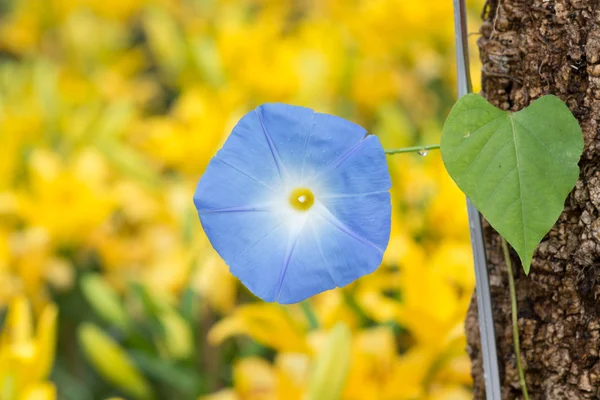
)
(310, 314)
(413, 149)
(515, 326)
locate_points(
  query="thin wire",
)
(461, 38)
(484, 299)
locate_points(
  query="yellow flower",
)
(407, 379)
(452, 392)
(373, 358)
(22, 29)
(447, 210)
(267, 323)
(69, 201)
(375, 83)
(452, 260)
(26, 358)
(431, 305)
(293, 370)
(188, 137)
(456, 371)
(212, 269)
(255, 55)
(40, 391)
(330, 308)
(115, 9)
(155, 256)
(255, 379)
(30, 263)
(224, 394)
(371, 294)
(373, 291)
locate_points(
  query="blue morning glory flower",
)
(296, 202)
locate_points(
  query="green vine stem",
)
(515, 326)
(422, 150)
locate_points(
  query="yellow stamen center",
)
(302, 199)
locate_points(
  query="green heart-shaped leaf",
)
(517, 168)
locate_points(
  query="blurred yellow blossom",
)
(431, 305)
(27, 354)
(255, 379)
(224, 394)
(67, 201)
(29, 264)
(212, 269)
(332, 307)
(41, 391)
(269, 324)
(194, 129)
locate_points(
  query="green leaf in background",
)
(517, 168)
(178, 337)
(104, 300)
(180, 378)
(331, 365)
(112, 362)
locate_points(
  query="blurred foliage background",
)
(109, 112)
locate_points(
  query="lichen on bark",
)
(530, 48)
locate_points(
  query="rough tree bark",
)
(530, 48)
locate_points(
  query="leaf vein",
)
(509, 206)
(480, 128)
(530, 131)
(499, 184)
(482, 148)
(514, 132)
(496, 156)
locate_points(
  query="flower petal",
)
(369, 215)
(307, 272)
(253, 245)
(224, 188)
(289, 127)
(362, 169)
(348, 254)
(247, 149)
(330, 139)
(307, 141)
(333, 252)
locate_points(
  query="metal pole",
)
(484, 299)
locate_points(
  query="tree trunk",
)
(530, 48)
